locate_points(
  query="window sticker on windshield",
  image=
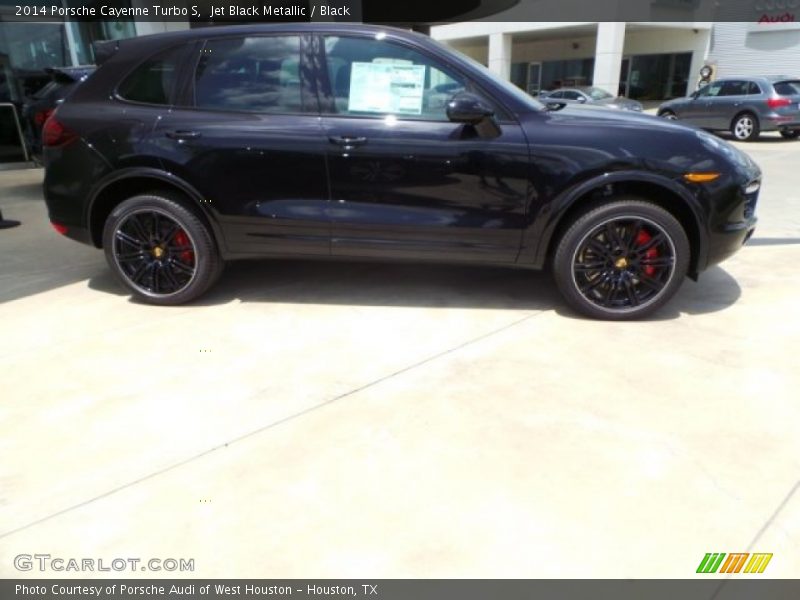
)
(386, 88)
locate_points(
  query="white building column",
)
(608, 56)
(500, 54)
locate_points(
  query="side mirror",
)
(467, 108)
(582, 99)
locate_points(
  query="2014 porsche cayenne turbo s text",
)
(189, 149)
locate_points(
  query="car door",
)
(725, 106)
(247, 135)
(695, 109)
(405, 181)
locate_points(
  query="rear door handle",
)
(182, 135)
(346, 140)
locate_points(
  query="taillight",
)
(40, 117)
(54, 133)
(778, 102)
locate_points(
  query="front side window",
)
(711, 90)
(570, 95)
(370, 77)
(153, 81)
(253, 74)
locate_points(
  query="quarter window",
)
(788, 88)
(253, 74)
(368, 77)
(153, 82)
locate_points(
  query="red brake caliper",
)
(181, 239)
(641, 240)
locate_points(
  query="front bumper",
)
(728, 235)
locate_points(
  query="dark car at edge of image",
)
(188, 149)
(590, 96)
(43, 102)
(743, 106)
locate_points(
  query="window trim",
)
(506, 118)
(190, 93)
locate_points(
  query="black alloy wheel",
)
(622, 260)
(160, 249)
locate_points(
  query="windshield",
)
(596, 93)
(509, 87)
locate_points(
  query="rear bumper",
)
(776, 122)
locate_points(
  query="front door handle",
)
(182, 135)
(346, 140)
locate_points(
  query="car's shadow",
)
(436, 286)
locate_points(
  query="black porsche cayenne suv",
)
(188, 149)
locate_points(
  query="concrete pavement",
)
(317, 419)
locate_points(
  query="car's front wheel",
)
(790, 134)
(745, 127)
(622, 260)
(669, 115)
(160, 249)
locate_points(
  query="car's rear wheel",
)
(669, 115)
(790, 134)
(745, 127)
(622, 260)
(160, 249)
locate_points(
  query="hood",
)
(596, 114)
(621, 102)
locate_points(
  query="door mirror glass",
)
(468, 108)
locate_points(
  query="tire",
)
(622, 260)
(745, 127)
(790, 134)
(668, 115)
(160, 249)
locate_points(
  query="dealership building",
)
(648, 61)
(645, 61)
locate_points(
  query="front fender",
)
(538, 237)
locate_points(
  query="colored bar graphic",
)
(710, 562)
(758, 563)
(736, 560)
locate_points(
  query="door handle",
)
(346, 140)
(182, 135)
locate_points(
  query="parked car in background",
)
(589, 95)
(43, 102)
(745, 106)
(188, 149)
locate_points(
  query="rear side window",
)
(788, 88)
(753, 90)
(153, 81)
(734, 88)
(252, 74)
